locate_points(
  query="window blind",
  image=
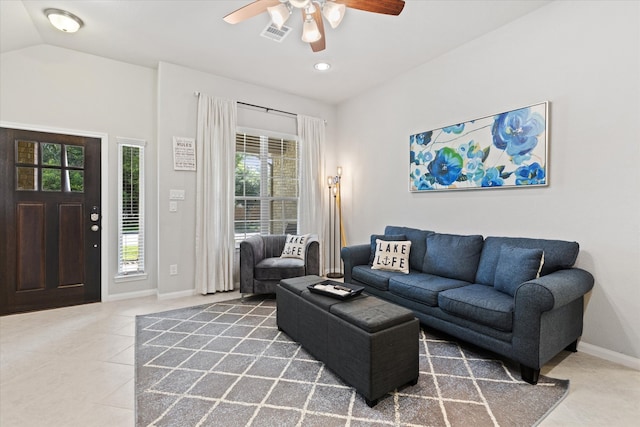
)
(267, 184)
(131, 208)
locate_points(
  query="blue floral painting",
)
(504, 150)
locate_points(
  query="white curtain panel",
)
(215, 172)
(311, 135)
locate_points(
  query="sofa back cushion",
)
(418, 243)
(453, 256)
(558, 254)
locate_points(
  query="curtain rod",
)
(266, 109)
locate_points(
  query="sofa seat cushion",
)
(278, 268)
(378, 279)
(481, 304)
(452, 255)
(423, 288)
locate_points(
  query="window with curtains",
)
(266, 184)
(130, 207)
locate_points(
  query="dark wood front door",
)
(50, 220)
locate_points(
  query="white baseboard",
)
(149, 292)
(611, 356)
(171, 295)
(130, 295)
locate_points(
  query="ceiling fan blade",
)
(388, 7)
(320, 44)
(250, 10)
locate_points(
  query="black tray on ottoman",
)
(334, 289)
(370, 343)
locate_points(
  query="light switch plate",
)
(176, 194)
(173, 206)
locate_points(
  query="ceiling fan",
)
(312, 13)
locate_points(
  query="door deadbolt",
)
(95, 215)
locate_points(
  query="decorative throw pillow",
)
(294, 246)
(375, 237)
(516, 266)
(392, 255)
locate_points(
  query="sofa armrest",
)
(312, 256)
(548, 315)
(554, 290)
(352, 256)
(251, 253)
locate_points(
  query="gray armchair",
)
(261, 267)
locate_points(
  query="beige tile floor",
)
(74, 367)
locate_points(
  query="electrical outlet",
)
(173, 269)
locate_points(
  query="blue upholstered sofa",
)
(493, 292)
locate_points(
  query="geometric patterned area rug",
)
(226, 364)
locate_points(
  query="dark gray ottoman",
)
(370, 343)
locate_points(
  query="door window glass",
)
(51, 154)
(27, 152)
(26, 179)
(51, 180)
(47, 166)
(74, 156)
(75, 180)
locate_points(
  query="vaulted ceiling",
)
(365, 50)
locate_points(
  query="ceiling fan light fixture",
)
(310, 31)
(333, 12)
(300, 4)
(64, 21)
(279, 14)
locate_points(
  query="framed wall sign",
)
(184, 154)
(499, 151)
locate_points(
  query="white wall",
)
(47, 87)
(583, 57)
(177, 114)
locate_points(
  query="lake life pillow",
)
(392, 256)
(375, 237)
(295, 246)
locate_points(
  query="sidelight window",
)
(130, 207)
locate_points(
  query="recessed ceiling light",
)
(322, 66)
(63, 20)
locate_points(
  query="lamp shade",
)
(63, 20)
(279, 14)
(333, 12)
(310, 32)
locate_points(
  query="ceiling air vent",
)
(273, 33)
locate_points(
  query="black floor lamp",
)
(335, 221)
